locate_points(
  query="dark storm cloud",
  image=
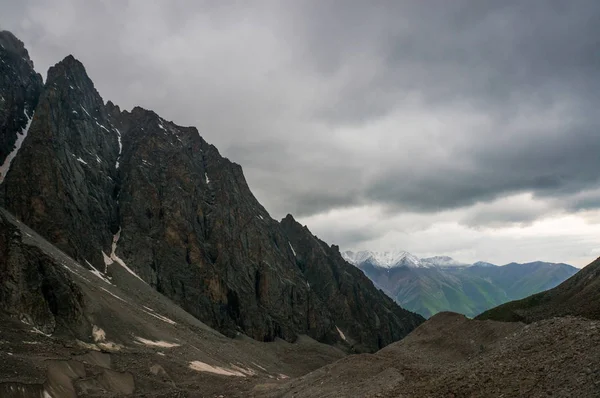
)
(414, 105)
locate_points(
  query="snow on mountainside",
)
(401, 258)
(443, 261)
(393, 259)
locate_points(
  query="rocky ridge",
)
(129, 190)
(20, 88)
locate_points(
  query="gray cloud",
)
(408, 106)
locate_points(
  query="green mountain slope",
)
(577, 296)
(467, 290)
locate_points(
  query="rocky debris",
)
(360, 313)
(452, 356)
(20, 88)
(120, 190)
(577, 296)
(126, 339)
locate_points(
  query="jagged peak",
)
(71, 68)
(10, 43)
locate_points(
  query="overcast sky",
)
(461, 128)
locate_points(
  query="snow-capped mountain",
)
(391, 259)
(443, 261)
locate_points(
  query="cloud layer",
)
(478, 115)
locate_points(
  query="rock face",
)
(577, 296)
(357, 306)
(33, 287)
(117, 189)
(20, 88)
(63, 181)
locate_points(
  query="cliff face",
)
(364, 316)
(63, 181)
(128, 189)
(20, 88)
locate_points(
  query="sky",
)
(461, 128)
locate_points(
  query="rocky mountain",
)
(20, 88)
(577, 296)
(69, 331)
(387, 260)
(431, 285)
(119, 190)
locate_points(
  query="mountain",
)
(69, 331)
(431, 285)
(577, 296)
(387, 260)
(128, 190)
(443, 261)
(20, 88)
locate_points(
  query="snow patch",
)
(102, 127)
(112, 294)
(81, 160)
(153, 313)
(98, 159)
(38, 331)
(98, 273)
(258, 366)
(20, 138)
(206, 178)
(204, 367)
(86, 112)
(115, 258)
(291, 247)
(120, 147)
(98, 334)
(155, 343)
(342, 335)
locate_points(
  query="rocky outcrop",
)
(20, 88)
(114, 188)
(361, 312)
(33, 286)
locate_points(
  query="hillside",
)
(452, 356)
(431, 285)
(69, 330)
(577, 296)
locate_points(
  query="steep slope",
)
(20, 88)
(442, 284)
(68, 331)
(128, 190)
(452, 356)
(63, 180)
(348, 292)
(578, 296)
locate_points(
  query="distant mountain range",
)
(431, 285)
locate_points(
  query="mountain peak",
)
(70, 70)
(443, 261)
(386, 259)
